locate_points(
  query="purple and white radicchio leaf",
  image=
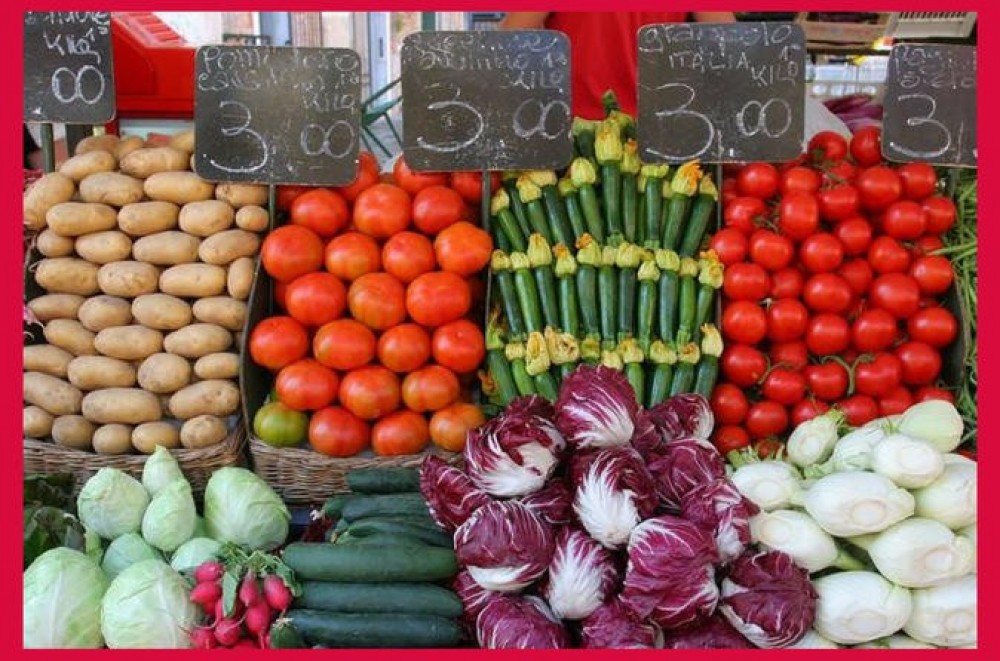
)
(671, 575)
(450, 495)
(683, 465)
(513, 454)
(515, 622)
(582, 575)
(531, 405)
(647, 439)
(504, 546)
(614, 626)
(713, 633)
(613, 493)
(689, 414)
(553, 503)
(596, 408)
(720, 507)
(473, 597)
(769, 599)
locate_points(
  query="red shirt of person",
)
(603, 50)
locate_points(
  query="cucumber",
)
(334, 505)
(379, 540)
(284, 636)
(366, 527)
(393, 504)
(369, 630)
(380, 598)
(366, 564)
(384, 480)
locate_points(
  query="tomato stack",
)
(378, 284)
(831, 291)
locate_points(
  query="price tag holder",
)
(68, 73)
(721, 92)
(930, 105)
(486, 100)
(277, 115)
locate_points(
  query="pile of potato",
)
(147, 269)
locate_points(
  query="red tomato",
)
(842, 172)
(934, 326)
(768, 448)
(933, 274)
(925, 394)
(887, 255)
(787, 283)
(941, 214)
(412, 181)
(351, 255)
(877, 377)
(336, 432)
(927, 244)
(322, 210)
(744, 322)
(368, 174)
(378, 300)
(430, 388)
(729, 438)
(828, 381)
(383, 210)
(921, 363)
(895, 402)
(459, 346)
(798, 216)
(437, 207)
(896, 293)
(402, 433)
(758, 180)
(786, 320)
(858, 275)
(827, 292)
(314, 299)
(793, 355)
(766, 418)
(287, 195)
(451, 425)
(858, 409)
(904, 220)
(808, 409)
(771, 250)
(344, 344)
(746, 282)
(821, 253)
(866, 146)
(743, 365)
(855, 234)
(408, 255)
(291, 251)
(838, 202)
(729, 404)
(919, 180)
(879, 186)
(827, 146)
(874, 330)
(470, 185)
(728, 190)
(784, 386)
(800, 179)
(278, 341)
(305, 385)
(434, 299)
(827, 334)
(280, 289)
(743, 213)
(730, 244)
(370, 392)
(463, 248)
(404, 348)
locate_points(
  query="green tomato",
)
(279, 426)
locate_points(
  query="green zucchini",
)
(383, 480)
(546, 386)
(708, 367)
(351, 564)
(527, 292)
(502, 275)
(395, 504)
(686, 302)
(379, 598)
(370, 630)
(630, 190)
(701, 213)
(366, 527)
(607, 291)
(502, 376)
(666, 304)
(583, 175)
(683, 381)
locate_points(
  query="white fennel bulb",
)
(770, 485)
(935, 421)
(945, 615)
(951, 498)
(895, 642)
(855, 503)
(920, 553)
(813, 440)
(859, 606)
(854, 451)
(908, 462)
(796, 534)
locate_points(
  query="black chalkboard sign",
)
(721, 92)
(930, 105)
(486, 100)
(277, 115)
(68, 75)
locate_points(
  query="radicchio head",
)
(513, 454)
(713, 633)
(646, 439)
(553, 503)
(582, 575)
(473, 597)
(514, 622)
(504, 546)
(682, 465)
(615, 626)
(531, 405)
(450, 494)
(720, 507)
(596, 408)
(689, 414)
(613, 493)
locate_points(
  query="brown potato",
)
(212, 397)
(228, 246)
(51, 244)
(161, 311)
(183, 141)
(144, 218)
(72, 431)
(83, 165)
(104, 142)
(241, 195)
(56, 306)
(130, 406)
(252, 218)
(69, 334)
(178, 187)
(127, 145)
(193, 280)
(217, 366)
(206, 217)
(52, 394)
(203, 431)
(222, 311)
(47, 359)
(164, 373)
(37, 422)
(144, 162)
(239, 278)
(128, 278)
(67, 275)
(113, 439)
(49, 190)
(198, 340)
(102, 312)
(129, 342)
(167, 248)
(148, 435)
(111, 188)
(104, 247)
(79, 218)
(97, 372)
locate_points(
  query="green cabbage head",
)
(62, 601)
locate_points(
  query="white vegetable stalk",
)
(921, 553)
(896, 642)
(856, 503)
(945, 615)
(796, 534)
(859, 606)
(813, 641)
(770, 485)
(969, 532)
(909, 463)
(935, 421)
(813, 441)
(951, 498)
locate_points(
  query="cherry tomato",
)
(463, 248)
(928, 393)
(351, 255)
(336, 432)
(459, 346)
(729, 438)
(877, 377)
(800, 179)
(438, 207)
(921, 363)
(838, 202)
(744, 322)
(730, 244)
(842, 172)
(793, 355)
(934, 326)
(784, 386)
(400, 433)
(887, 255)
(827, 146)
(278, 341)
(344, 344)
(866, 146)
(370, 392)
(368, 173)
(287, 194)
(729, 404)
(771, 250)
(941, 214)
(874, 330)
(827, 381)
(404, 348)
(879, 186)
(895, 402)
(787, 283)
(743, 365)
(766, 418)
(470, 185)
(758, 180)
(798, 216)
(728, 191)
(322, 210)
(858, 275)
(808, 409)
(450, 426)
(291, 251)
(786, 320)
(742, 213)
(896, 293)
(933, 274)
(412, 181)
(746, 282)
(430, 388)
(858, 409)
(827, 334)
(378, 300)
(434, 299)
(855, 234)
(827, 292)
(919, 180)
(306, 385)
(904, 220)
(821, 253)
(768, 448)
(314, 299)
(927, 244)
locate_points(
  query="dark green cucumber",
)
(575, 214)
(586, 291)
(677, 210)
(383, 480)
(569, 317)
(509, 228)
(517, 207)
(500, 240)
(607, 292)
(562, 231)
(350, 564)
(334, 505)
(379, 598)
(637, 379)
(284, 636)
(627, 285)
(366, 527)
(527, 294)
(687, 296)
(370, 630)
(683, 378)
(395, 504)
(381, 541)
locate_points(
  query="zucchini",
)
(370, 630)
(365, 564)
(366, 527)
(546, 386)
(379, 598)
(383, 480)
(503, 276)
(284, 636)
(701, 213)
(393, 504)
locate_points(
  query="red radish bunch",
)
(830, 296)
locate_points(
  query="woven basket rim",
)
(309, 456)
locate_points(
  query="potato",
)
(167, 248)
(47, 359)
(183, 141)
(104, 247)
(238, 340)
(97, 372)
(73, 431)
(127, 145)
(203, 431)
(52, 394)
(148, 435)
(198, 340)
(113, 439)
(69, 334)
(130, 406)
(128, 278)
(102, 312)
(206, 217)
(48, 191)
(239, 278)
(241, 195)
(105, 142)
(78, 218)
(128, 342)
(222, 311)
(111, 188)
(83, 165)
(225, 247)
(193, 280)
(178, 187)
(218, 366)
(210, 397)
(67, 275)
(51, 244)
(164, 373)
(143, 162)
(56, 306)
(252, 218)
(145, 218)
(161, 311)
(37, 422)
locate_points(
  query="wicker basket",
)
(306, 477)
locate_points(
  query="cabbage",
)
(615, 626)
(200, 529)
(714, 633)
(504, 546)
(581, 576)
(682, 465)
(62, 601)
(768, 599)
(720, 507)
(519, 623)
(681, 416)
(170, 518)
(513, 454)
(147, 607)
(614, 492)
(124, 552)
(193, 552)
(450, 495)
(531, 405)
(160, 470)
(112, 503)
(241, 508)
(553, 503)
(596, 408)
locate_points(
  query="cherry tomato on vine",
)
(793, 355)
(921, 363)
(800, 179)
(838, 202)
(758, 180)
(866, 146)
(827, 146)
(855, 235)
(827, 292)
(934, 326)
(742, 214)
(858, 275)
(858, 409)
(896, 293)
(766, 418)
(878, 376)
(895, 402)
(730, 244)
(927, 244)
(827, 381)
(928, 393)
(806, 410)
(786, 320)
(821, 253)
(827, 334)
(874, 330)
(879, 186)
(933, 274)
(768, 448)
(729, 404)
(919, 180)
(771, 250)
(887, 255)
(787, 283)
(742, 364)
(785, 386)
(730, 437)
(744, 322)
(941, 214)
(798, 216)
(746, 282)
(904, 220)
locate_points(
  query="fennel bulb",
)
(854, 503)
(909, 463)
(920, 553)
(859, 606)
(770, 485)
(813, 440)
(796, 534)
(951, 498)
(945, 615)
(935, 421)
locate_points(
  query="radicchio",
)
(596, 408)
(689, 414)
(553, 503)
(513, 454)
(615, 626)
(473, 597)
(519, 623)
(714, 633)
(504, 546)
(670, 576)
(769, 599)
(450, 495)
(683, 465)
(720, 507)
(581, 576)
(646, 439)
(531, 405)
(614, 492)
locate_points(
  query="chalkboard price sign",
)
(486, 100)
(68, 76)
(277, 115)
(930, 105)
(721, 92)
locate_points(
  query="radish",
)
(205, 594)
(227, 632)
(249, 594)
(203, 639)
(258, 618)
(278, 596)
(264, 640)
(209, 572)
(220, 613)
(246, 642)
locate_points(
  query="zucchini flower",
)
(536, 354)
